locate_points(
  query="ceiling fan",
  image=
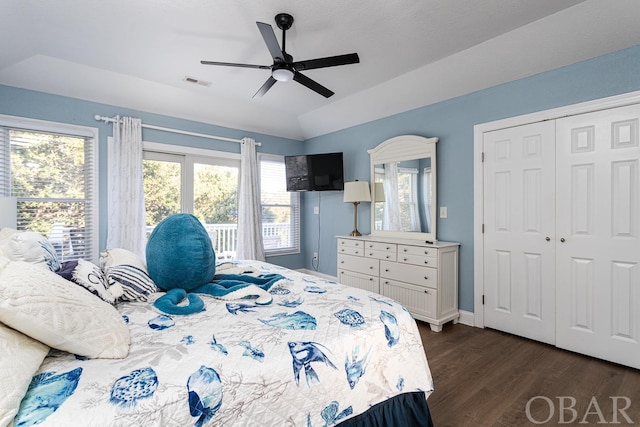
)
(284, 69)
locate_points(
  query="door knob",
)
(562, 239)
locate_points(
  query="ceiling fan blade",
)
(233, 64)
(330, 61)
(272, 42)
(265, 87)
(312, 84)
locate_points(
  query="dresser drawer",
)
(380, 250)
(359, 280)
(418, 255)
(381, 246)
(372, 253)
(351, 247)
(417, 250)
(414, 274)
(359, 264)
(418, 300)
(425, 261)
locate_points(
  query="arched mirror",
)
(403, 188)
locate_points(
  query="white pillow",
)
(127, 275)
(6, 232)
(30, 247)
(20, 358)
(119, 256)
(46, 307)
(90, 276)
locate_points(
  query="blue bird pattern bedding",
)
(319, 354)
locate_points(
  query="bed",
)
(320, 354)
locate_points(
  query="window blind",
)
(280, 209)
(53, 177)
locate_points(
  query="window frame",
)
(294, 198)
(92, 197)
(193, 155)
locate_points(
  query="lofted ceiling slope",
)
(138, 54)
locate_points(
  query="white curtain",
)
(426, 194)
(249, 210)
(415, 213)
(126, 214)
(391, 217)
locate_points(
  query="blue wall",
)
(451, 121)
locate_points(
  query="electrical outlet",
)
(443, 212)
(315, 256)
(316, 210)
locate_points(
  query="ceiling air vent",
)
(196, 81)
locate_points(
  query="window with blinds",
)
(52, 170)
(280, 209)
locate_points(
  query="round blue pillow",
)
(180, 253)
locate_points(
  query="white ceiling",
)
(136, 53)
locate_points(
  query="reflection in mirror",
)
(403, 196)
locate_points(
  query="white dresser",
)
(421, 276)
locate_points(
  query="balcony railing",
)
(225, 237)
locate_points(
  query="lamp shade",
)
(356, 191)
(8, 212)
(378, 192)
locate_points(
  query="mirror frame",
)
(398, 149)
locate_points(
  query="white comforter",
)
(319, 354)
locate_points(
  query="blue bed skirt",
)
(404, 410)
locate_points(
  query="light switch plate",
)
(443, 211)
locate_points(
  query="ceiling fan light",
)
(282, 74)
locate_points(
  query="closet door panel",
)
(519, 217)
(598, 250)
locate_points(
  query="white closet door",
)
(519, 218)
(598, 250)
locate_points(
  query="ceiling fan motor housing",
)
(284, 21)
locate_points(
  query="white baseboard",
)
(467, 318)
(317, 273)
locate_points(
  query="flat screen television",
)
(314, 172)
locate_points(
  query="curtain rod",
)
(183, 132)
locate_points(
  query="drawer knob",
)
(386, 270)
(341, 262)
(388, 248)
(370, 253)
(426, 278)
(405, 250)
(426, 292)
(371, 279)
(426, 262)
(426, 252)
(388, 257)
(371, 268)
(405, 259)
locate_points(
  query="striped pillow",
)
(134, 281)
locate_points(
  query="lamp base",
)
(355, 233)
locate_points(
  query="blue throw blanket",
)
(223, 286)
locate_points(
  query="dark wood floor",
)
(487, 378)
